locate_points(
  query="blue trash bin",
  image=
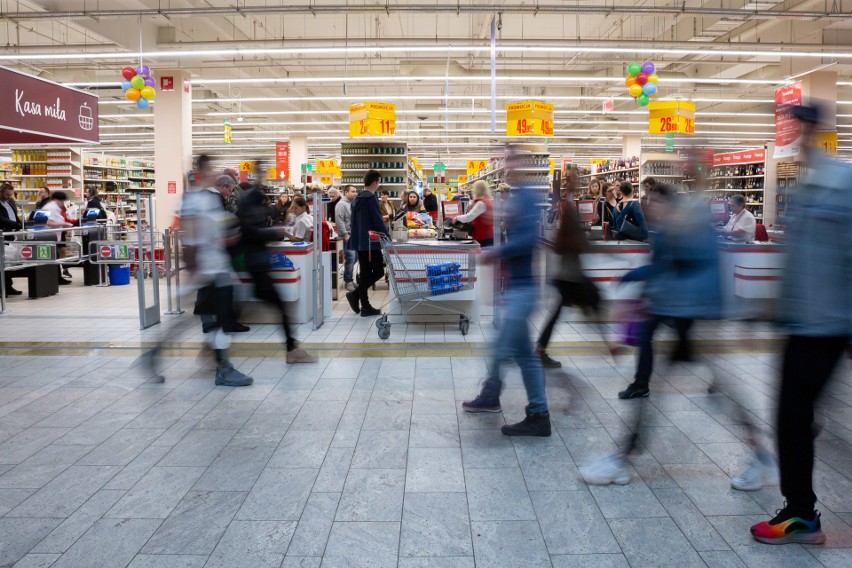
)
(119, 275)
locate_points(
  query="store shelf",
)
(92, 167)
(363, 171)
(93, 180)
(743, 190)
(665, 176)
(623, 170)
(53, 162)
(372, 156)
(735, 177)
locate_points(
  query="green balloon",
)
(137, 82)
(643, 100)
(634, 68)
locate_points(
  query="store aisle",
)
(368, 461)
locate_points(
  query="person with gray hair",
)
(331, 212)
(742, 224)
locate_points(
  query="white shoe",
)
(611, 468)
(762, 470)
(350, 286)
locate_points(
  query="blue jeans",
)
(351, 257)
(514, 342)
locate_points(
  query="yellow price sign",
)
(326, 179)
(271, 173)
(326, 166)
(827, 142)
(462, 179)
(475, 166)
(552, 166)
(670, 117)
(598, 161)
(247, 167)
(372, 119)
(529, 118)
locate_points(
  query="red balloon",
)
(128, 73)
(642, 78)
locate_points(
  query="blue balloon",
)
(125, 84)
(649, 89)
(142, 102)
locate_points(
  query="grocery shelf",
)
(664, 176)
(52, 162)
(93, 167)
(94, 180)
(372, 155)
(623, 170)
(743, 190)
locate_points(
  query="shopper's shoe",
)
(299, 355)
(611, 468)
(230, 377)
(352, 298)
(788, 527)
(548, 362)
(634, 391)
(64, 282)
(149, 360)
(350, 286)
(66, 273)
(763, 470)
(484, 402)
(369, 311)
(239, 328)
(12, 292)
(537, 424)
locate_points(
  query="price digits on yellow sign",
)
(372, 119)
(474, 166)
(665, 117)
(529, 118)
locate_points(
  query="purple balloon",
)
(143, 70)
(150, 82)
(648, 68)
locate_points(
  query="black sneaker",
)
(634, 391)
(12, 292)
(483, 403)
(240, 328)
(369, 310)
(353, 301)
(548, 362)
(531, 425)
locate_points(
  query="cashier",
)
(301, 228)
(742, 224)
(481, 215)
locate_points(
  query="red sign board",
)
(36, 111)
(167, 83)
(172, 187)
(282, 159)
(586, 210)
(788, 130)
(106, 252)
(26, 252)
(744, 157)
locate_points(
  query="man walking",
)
(9, 222)
(343, 222)
(366, 217)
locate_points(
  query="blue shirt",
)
(631, 209)
(522, 231)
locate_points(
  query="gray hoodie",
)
(343, 217)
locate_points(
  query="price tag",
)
(462, 179)
(476, 166)
(326, 179)
(326, 166)
(671, 117)
(372, 119)
(827, 142)
(529, 118)
(247, 167)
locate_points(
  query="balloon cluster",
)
(641, 81)
(138, 85)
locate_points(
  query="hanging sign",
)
(326, 166)
(671, 117)
(271, 173)
(738, 158)
(552, 167)
(372, 119)
(476, 166)
(529, 118)
(827, 142)
(462, 179)
(36, 111)
(226, 131)
(326, 179)
(788, 130)
(282, 159)
(247, 167)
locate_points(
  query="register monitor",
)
(452, 209)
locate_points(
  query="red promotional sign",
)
(744, 157)
(36, 111)
(106, 252)
(172, 187)
(586, 210)
(282, 159)
(787, 127)
(26, 252)
(167, 84)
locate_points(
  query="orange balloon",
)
(630, 80)
(132, 94)
(652, 95)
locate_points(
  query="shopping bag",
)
(630, 317)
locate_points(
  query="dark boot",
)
(532, 425)
(488, 400)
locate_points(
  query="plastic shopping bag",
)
(629, 317)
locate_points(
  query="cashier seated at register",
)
(301, 227)
(742, 224)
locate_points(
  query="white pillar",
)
(631, 146)
(172, 143)
(822, 85)
(298, 156)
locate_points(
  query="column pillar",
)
(298, 156)
(822, 85)
(631, 146)
(172, 143)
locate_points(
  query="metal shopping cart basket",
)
(421, 274)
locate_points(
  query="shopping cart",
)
(422, 274)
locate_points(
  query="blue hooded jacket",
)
(366, 217)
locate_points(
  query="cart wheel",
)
(382, 321)
(384, 331)
(464, 325)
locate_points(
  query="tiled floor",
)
(367, 461)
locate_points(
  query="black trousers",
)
(264, 290)
(808, 364)
(372, 270)
(583, 294)
(682, 352)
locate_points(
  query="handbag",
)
(629, 228)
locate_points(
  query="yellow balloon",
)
(148, 92)
(132, 94)
(630, 80)
(653, 78)
(635, 90)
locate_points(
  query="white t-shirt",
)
(55, 211)
(302, 227)
(744, 221)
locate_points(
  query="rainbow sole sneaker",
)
(784, 529)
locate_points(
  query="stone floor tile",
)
(156, 494)
(136, 470)
(547, 465)
(572, 523)
(27, 443)
(832, 557)
(434, 401)
(385, 449)
(332, 389)
(73, 527)
(198, 449)
(335, 468)
(278, 495)
(302, 562)
(314, 526)
(62, 496)
(735, 531)
(630, 501)
(657, 543)
(253, 544)
(302, 449)
(690, 521)
(110, 542)
(167, 561)
(34, 560)
(487, 448)
(435, 524)
(388, 415)
(436, 562)
(434, 470)
(722, 559)
(235, 469)
(710, 490)
(372, 495)
(509, 544)
(122, 447)
(19, 536)
(498, 494)
(355, 545)
(589, 560)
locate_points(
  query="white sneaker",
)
(350, 286)
(611, 468)
(762, 470)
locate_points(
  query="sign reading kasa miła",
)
(372, 119)
(529, 118)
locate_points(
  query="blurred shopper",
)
(608, 206)
(629, 218)
(513, 340)
(682, 284)
(742, 224)
(331, 210)
(256, 234)
(281, 209)
(9, 222)
(649, 185)
(430, 203)
(301, 227)
(386, 207)
(93, 201)
(57, 220)
(367, 218)
(343, 222)
(480, 215)
(816, 307)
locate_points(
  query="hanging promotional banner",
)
(226, 131)
(671, 117)
(36, 111)
(739, 158)
(327, 166)
(462, 179)
(326, 179)
(372, 119)
(476, 166)
(282, 159)
(827, 142)
(529, 118)
(788, 131)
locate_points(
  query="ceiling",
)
(278, 68)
